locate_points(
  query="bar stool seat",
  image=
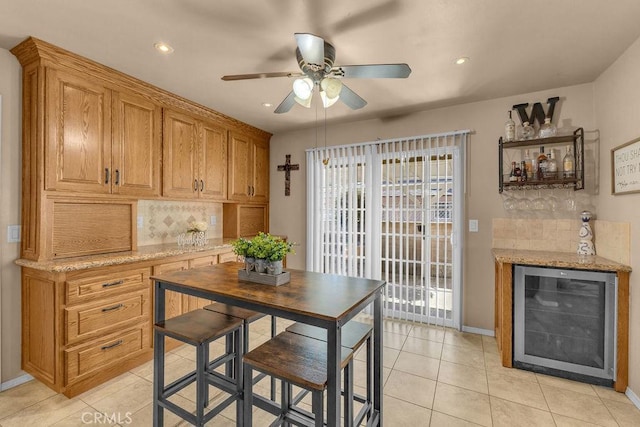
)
(353, 334)
(294, 359)
(199, 328)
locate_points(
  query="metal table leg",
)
(158, 356)
(334, 340)
(377, 357)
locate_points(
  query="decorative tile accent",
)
(164, 220)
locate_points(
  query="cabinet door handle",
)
(117, 182)
(115, 307)
(108, 285)
(106, 175)
(195, 185)
(201, 185)
(248, 190)
(115, 344)
(253, 191)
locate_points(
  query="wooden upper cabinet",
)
(179, 163)
(195, 158)
(78, 134)
(99, 140)
(137, 145)
(213, 161)
(248, 168)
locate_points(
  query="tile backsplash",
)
(611, 239)
(162, 220)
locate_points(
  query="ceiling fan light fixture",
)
(327, 101)
(306, 103)
(331, 86)
(303, 88)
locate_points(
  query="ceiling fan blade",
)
(351, 99)
(286, 104)
(311, 48)
(260, 75)
(397, 71)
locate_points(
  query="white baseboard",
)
(633, 397)
(479, 331)
(15, 382)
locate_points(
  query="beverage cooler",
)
(564, 323)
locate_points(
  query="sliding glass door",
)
(392, 210)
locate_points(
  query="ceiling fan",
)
(315, 57)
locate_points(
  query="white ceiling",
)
(515, 46)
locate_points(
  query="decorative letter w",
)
(537, 113)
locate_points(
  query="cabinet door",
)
(260, 167)
(78, 134)
(137, 134)
(240, 173)
(180, 163)
(213, 162)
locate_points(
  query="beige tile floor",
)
(433, 377)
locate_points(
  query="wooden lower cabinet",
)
(82, 328)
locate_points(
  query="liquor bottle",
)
(518, 172)
(524, 174)
(547, 129)
(552, 166)
(510, 129)
(542, 164)
(527, 165)
(567, 164)
(512, 175)
(527, 131)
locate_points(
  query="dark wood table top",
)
(323, 296)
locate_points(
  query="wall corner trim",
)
(479, 331)
(633, 397)
(15, 382)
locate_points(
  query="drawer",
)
(90, 320)
(226, 257)
(86, 360)
(90, 287)
(203, 261)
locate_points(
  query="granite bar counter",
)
(557, 260)
(143, 253)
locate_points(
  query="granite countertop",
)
(557, 259)
(143, 253)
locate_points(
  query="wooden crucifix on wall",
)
(287, 168)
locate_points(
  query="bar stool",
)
(296, 360)
(247, 316)
(354, 334)
(199, 328)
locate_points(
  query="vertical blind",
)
(386, 210)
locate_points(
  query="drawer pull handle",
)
(115, 307)
(107, 285)
(115, 344)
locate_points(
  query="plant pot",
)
(275, 267)
(261, 265)
(249, 263)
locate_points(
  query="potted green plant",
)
(260, 245)
(244, 248)
(278, 249)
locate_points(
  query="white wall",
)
(10, 177)
(617, 107)
(483, 202)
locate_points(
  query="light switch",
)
(13, 234)
(213, 220)
(473, 225)
(140, 221)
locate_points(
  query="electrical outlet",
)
(473, 225)
(13, 234)
(140, 221)
(213, 220)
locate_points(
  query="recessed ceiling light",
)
(462, 60)
(267, 104)
(163, 47)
